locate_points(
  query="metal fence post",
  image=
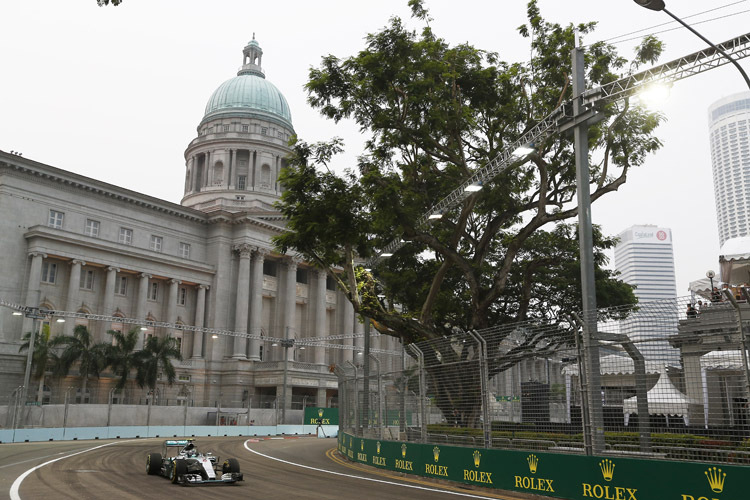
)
(356, 400)
(485, 394)
(743, 340)
(422, 392)
(379, 420)
(402, 402)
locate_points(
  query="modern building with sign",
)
(77, 244)
(645, 258)
(729, 129)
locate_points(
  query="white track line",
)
(435, 490)
(17, 483)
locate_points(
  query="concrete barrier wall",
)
(161, 431)
(94, 415)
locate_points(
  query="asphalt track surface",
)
(287, 469)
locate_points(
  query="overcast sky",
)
(116, 93)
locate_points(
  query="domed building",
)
(235, 161)
(204, 272)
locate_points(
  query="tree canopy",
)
(433, 114)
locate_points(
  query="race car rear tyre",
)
(153, 463)
(230, 465)
(179, 469)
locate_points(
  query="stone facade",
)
(72, 243)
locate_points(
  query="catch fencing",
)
(673, 383)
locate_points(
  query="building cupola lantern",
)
(251, 60)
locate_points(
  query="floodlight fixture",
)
(524, 150)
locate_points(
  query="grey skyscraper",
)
(645, 258)
(729, 119)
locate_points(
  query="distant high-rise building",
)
(729, 122)
(645, 258)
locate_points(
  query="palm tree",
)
(156, 356)
(122, 357)
(43, 359)
(80, 348)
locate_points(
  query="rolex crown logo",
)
(362, 445)
(533, 462)
(477, 458)
(403, 450)
(320, 412)
(608, 469)
(378, 446)
(436, 453)
(716, 479)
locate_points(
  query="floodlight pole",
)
(586, 243)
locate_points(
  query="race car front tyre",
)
(230, 465)
(153, 463)
(179, 469)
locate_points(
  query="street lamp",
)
(36, 314)
(710, 275)
(659, 5)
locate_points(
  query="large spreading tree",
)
(433, 114)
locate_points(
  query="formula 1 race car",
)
(181, 462)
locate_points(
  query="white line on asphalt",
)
(31, 460)
(366, 478)
(17, 483)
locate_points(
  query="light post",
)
(659, 5)
(36, 314)
(586, 244)
(710, 275)
(286, 344)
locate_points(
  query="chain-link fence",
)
(673, 382)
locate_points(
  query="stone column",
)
(256, 302)
(174, 285)
(320, 314)
(141, 309)
(347, 319)
(241, 304)
(230, 171)
(207, 169)
(200, 312)
(33, 290)
(320, 399)
(74, 286)
(227, 169)
(109, 300)
(189, 175)
(290, 301)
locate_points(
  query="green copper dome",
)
(249, 92)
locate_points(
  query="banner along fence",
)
(673, 381)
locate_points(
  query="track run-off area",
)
(274, 468)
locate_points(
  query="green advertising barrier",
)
(327, 416)
(577, 477)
